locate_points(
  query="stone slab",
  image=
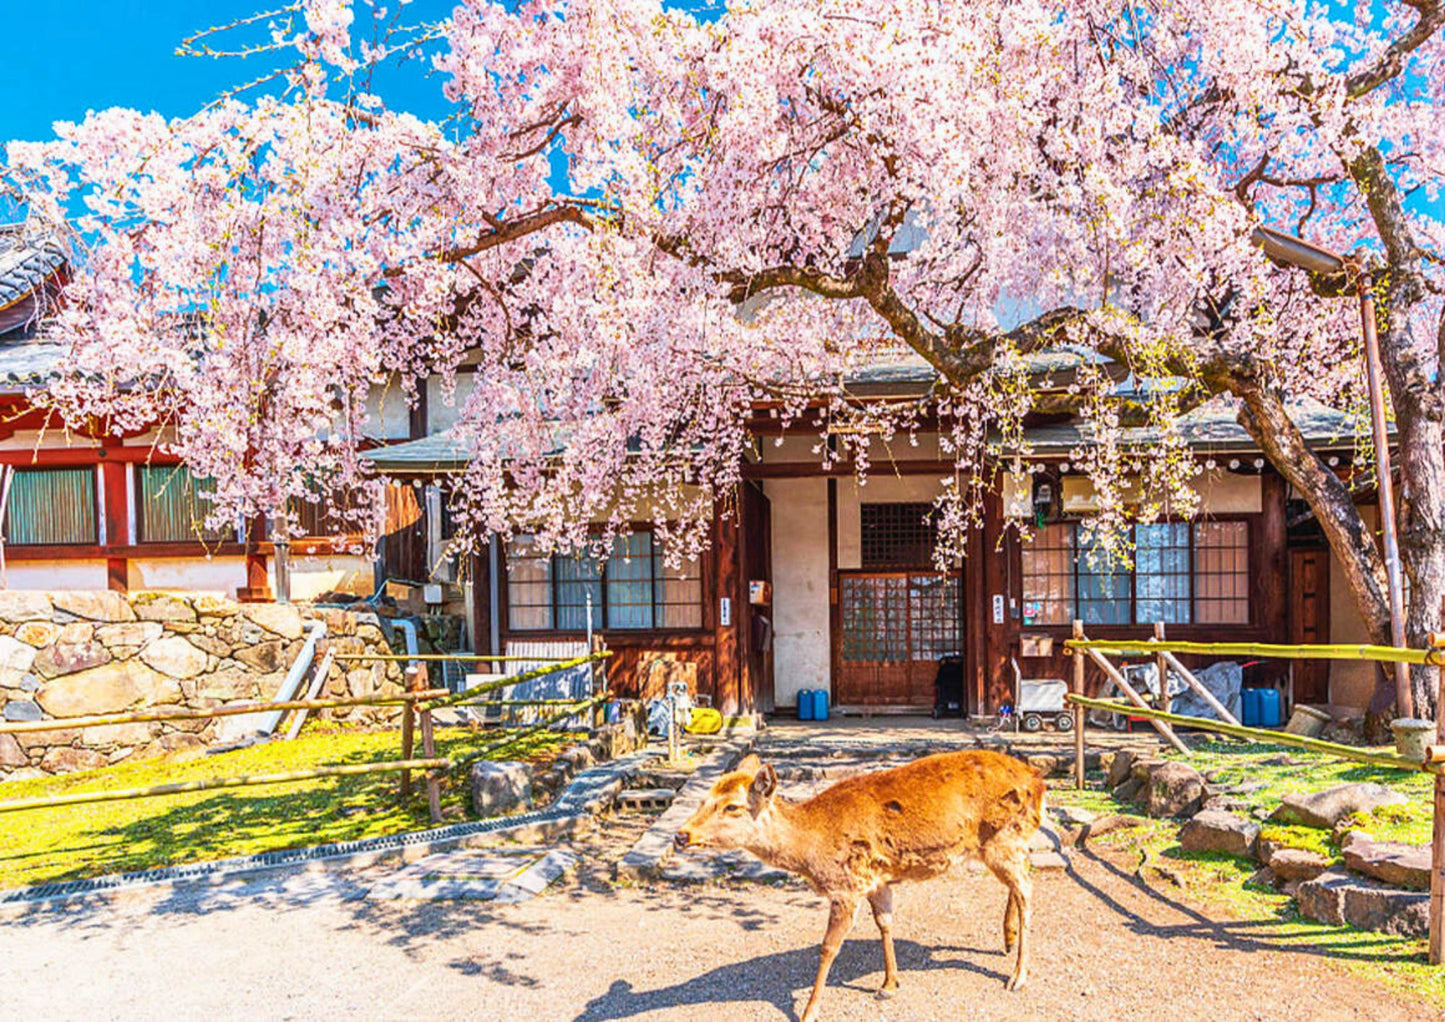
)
(645, 857)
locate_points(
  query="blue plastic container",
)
(1260, 707)
(805, 704)
(1270, 714)
(820, 704)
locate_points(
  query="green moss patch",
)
(75, 842)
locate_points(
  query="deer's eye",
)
(734, 809)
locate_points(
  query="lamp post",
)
(1286, 248)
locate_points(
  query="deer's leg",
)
(840, 921)
(1010, 863)
(1010, 922)
(882, 902)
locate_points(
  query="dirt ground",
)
(311, 946)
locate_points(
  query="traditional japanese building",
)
(817, 581)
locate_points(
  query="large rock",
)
(69, 657)
(265, 657)
(11, 755)
(94, 605)
(500, 787)
(161, 607)
(1323, 809)
(1296, 864)
(175, 656)
(1391, 861)
(38, 633)
(1216, 831)
(23, 710)
(1175, 789)
(131, 633)
(15, 655)
(1343, 899)
(108, 689)
(19, 605)
(65, 760)
(1119, 767)
(279, 619)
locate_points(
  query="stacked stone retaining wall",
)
(68, 654)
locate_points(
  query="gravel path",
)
(311, 946)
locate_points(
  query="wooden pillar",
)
(408, 729)
(727, 670)
(115, 508)
(1078, 710)
(258, 587)
(1437, 838)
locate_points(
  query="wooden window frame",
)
(705, 586)
(97, 510)
(1248, 547)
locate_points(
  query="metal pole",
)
(1404, 699)
(1437, 837)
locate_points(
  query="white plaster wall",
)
(879, 488)
(1226, 493)
(439, 414)
(800, 586)
(1351, 682)
(387, 414)
(221, 575)
(312, 576)
(86, 574)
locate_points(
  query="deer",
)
(859, 837)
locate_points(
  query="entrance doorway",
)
(892, 629)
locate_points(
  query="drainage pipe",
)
(271, 721)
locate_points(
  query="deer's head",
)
(729, 816)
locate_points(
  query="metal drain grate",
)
(646, 799)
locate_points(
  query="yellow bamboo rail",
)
(1350, 752)
(1338, 651)
(467, 657)
(517, 736)
(231, 710)
(472, 694)
(209, 784)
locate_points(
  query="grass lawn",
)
(1222, 882)
(73, 842)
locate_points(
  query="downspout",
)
(1286, 248)
(294, 677)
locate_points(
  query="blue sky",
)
(64, 59)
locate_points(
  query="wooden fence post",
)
(1162, 666)
(408, 725)
(418, 681)
(1078, 710)
(1437, 837)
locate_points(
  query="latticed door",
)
(894, 627)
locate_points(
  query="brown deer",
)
(866, 833)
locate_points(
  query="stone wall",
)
(67, 654)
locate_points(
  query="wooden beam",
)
(1214, 704)
(1134, 697)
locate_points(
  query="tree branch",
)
(1392, 61)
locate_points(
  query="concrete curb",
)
(645, 858)
(589, 792)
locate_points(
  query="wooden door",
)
(1309, 621)
(892, 628)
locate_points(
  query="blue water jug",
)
(1248, 708)
(805, 704)
(820, 704)
(1270, 714)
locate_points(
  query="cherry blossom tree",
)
(641, 221)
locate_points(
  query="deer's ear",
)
(750, 764)
(765, 782)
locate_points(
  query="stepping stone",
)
(1341, 898)
(468, 875)
(1393, 862)
(1324, 809)
(1217, 831)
